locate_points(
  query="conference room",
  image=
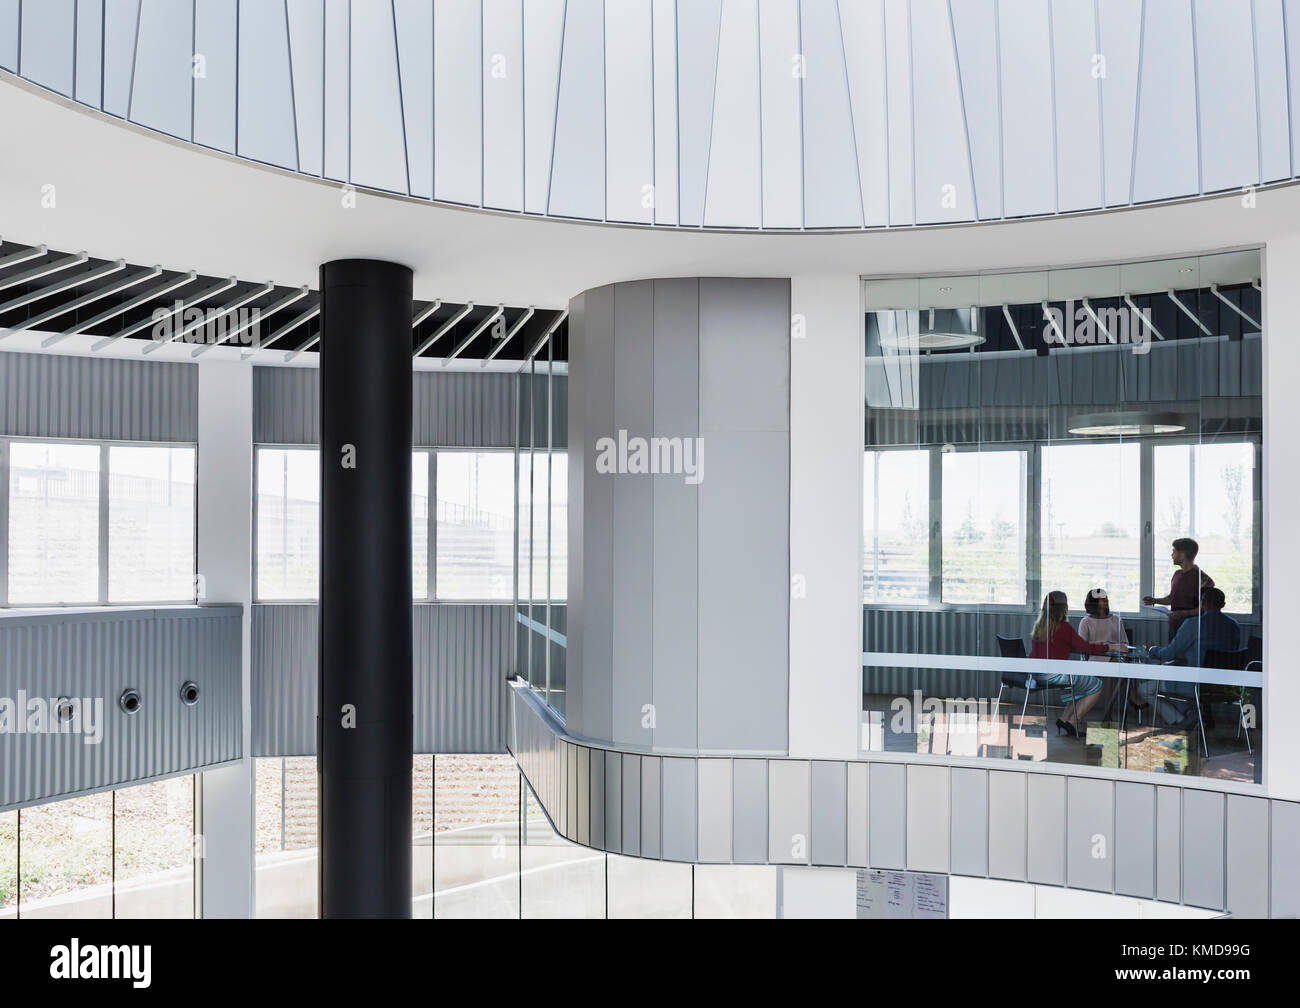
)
(1056, 466)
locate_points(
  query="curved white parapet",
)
(743, 114)
(1178, 843)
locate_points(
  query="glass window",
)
(896, 523)
(153, 850)
(66, 858)
(1092, 540)
(53, 523)
(1207, 492)
(475, 533)
(984, 527)
(8, 865)
(150, 523)
(476, 854)
(541, 512)
(559, 566)
(286, 843)
(420, 525)
(288, 523)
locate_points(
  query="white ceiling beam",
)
(284, 302)
(155, 319)
(446, 328)
(478, 331)
(514, 329)
(39, 320)
(104, 316)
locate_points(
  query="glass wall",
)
(483, 848)
(98, 523)
(462, 526)
(542, 550)
(124, 853)
(1088, 438)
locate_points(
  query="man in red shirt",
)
(1185, 587)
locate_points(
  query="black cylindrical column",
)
(364, 729)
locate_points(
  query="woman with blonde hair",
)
(1053, 637)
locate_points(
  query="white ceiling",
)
(123, 192)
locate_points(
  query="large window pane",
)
(66, 851)
(53, 523)
(896, 521)
(559, 566)
(153, 850)
(1090, 539)
(1206, 492)
(286, 884)
(984, 527)
(422, 836)
(559, 879)
(475, 534)
(150, 524)
(541, 512)
(288, 523)
(420, 525)
(8, 865)
(476, 857)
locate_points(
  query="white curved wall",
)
(773, 114)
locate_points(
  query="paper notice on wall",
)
(895, 895)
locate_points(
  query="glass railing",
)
(1132, 713)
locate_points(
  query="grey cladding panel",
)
(789, 811)
(1135, 836)
(1203, 849)
(1007, 825)
(744, 355)
(888, 815)
(928, 812)
(461, 653)
(1247, 857)
(715, 810)
(970, 822)
(66, 396)
(744, 592)
(451, 409)
(680, 810)
(749, 802)
(1046, 860)
(1090, 841)
(96, 656)
(829, 840)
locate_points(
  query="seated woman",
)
(1053, 637)
(1105, 626)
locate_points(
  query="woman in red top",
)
(1053, 637)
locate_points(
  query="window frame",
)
(103, 444)
(430, 596)
(1033, 516)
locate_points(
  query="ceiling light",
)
(934, 329)
(1127, 423)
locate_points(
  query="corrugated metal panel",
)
(286, 405)
(462, 653)
(53, 395)
(97, 655)
(462, 657)
(452, 409)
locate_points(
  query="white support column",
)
(826, 418)
(225, 505)
(1281, 749)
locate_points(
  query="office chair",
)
(1014, 647)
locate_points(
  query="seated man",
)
(1211, 630)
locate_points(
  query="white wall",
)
(826, 515)
(225, 502)
(998, 899)
(817, 893)
(1281, 516)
